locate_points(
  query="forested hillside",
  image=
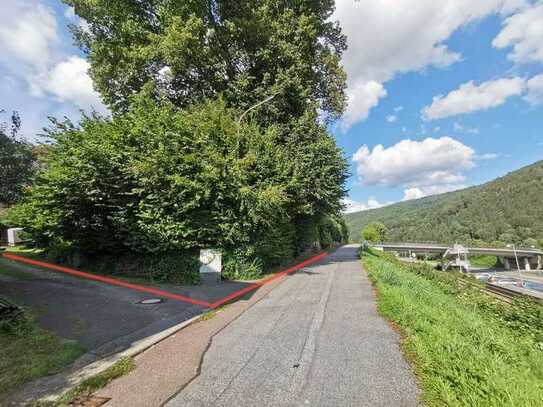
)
(508, 209)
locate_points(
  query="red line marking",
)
(267, 280)
(107, 280)
(162, 293)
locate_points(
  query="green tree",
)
(374, 232)
(174, 169)
(193, 50)
(17, 162)
(158, 179)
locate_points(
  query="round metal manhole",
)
(151, 301)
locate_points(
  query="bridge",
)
(528, 258)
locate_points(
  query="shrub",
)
(332, 230)
(157, 179)
(307, 234)
(241, 264)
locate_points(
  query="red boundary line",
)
(268, 280)
(162, 293)
(107, 280)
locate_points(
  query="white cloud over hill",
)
(386, 39)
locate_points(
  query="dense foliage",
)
(192, 50)
(16, 162)
(467, 347)
(374, 232)
(157, 179)
(176, 168)
(506, 210)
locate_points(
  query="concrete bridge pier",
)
(525, 263)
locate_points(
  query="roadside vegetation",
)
(190, 158)
(80, 394)
(28, 352)
(467, 348)
(485, 261)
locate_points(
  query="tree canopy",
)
(175, 168)
(159, 179)
(17, 162)
(374, 232)
(193, 50)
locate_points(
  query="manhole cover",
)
(151, 301)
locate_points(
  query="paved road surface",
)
(101, 317)
(316, 340)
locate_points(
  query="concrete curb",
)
(52, 387)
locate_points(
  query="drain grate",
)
(151, 301)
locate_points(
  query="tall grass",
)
(466, 349)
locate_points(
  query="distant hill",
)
(508, 209)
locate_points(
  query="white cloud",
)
(357, 206)
(69, 13)
(69, 81)
(412, 193)
(391, 118)
(27, 32)
(52, 80)
(377, 34)
(524, 32)
(470, 98)
(486, 157)
(398, 109)
(416, 193)
(466, 130)
(362, 98)
(534, 90)
(430, 165)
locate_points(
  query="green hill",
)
(507, 209)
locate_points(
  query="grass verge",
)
(28, 352)
(79, 394)
(466, 348)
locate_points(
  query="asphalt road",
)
(101, 317)
(316, 340)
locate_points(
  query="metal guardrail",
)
(503, 293)
(445, 244)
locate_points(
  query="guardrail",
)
(502, 293)
(440, 244)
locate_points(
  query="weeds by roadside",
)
(29, 352)
(467, 348)
(87, 387)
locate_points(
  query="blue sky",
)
(442, 95)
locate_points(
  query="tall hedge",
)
(159, 179)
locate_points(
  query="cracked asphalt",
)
(315, 340)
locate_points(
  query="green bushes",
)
(374, 232)
(242, 264)
(157, 180)
(332, 230)
(180, 267)
(467, 348)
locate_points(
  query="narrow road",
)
(316, 340)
